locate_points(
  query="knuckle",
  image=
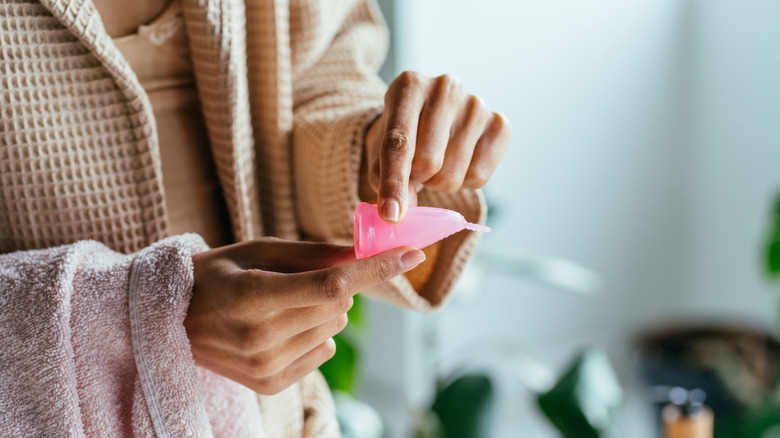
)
(394, 182)
(476, 179)
(274, 365)
(385, 269)
(269, 386)
(396, 142)
(477, 101)
(477, 108)
(501, 123)
(259, 386)
(344, 305)
(263, 337)
(447, 185)
(410, 79)
(253, 338)
(258, 365)
(426, 164)
(329, 350)
(341, 322)
(449, 83)
(335, 284)
(264, 365)
(450, 186)
(278, 385)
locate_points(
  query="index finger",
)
(345, 280)
(278, 255)
(403, 105)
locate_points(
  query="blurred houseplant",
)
(581, 404)
(584, 400)
(772, 251)
(463, 403)
(341, 370)
(356, 419)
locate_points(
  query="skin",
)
(263, 313)
(126, 16)
(431, 134)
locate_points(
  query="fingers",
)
(284, 324)
(489, 151)
(274, 361)
(255, 364)
(434, 134)
(245, 370)
(438, 115)
(298, 320)
(272, 254)
(298, 369)
(333, 284)
(403, 103)
(270, 360)
(460, 149)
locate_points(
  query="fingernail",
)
(391, 210)
(412, 258)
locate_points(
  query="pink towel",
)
(93, 345)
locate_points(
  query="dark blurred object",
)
(465, 407)
(685, 414)
(736, 367)
(584, 401)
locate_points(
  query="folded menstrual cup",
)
(420, 227)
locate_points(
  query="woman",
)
(129, 122)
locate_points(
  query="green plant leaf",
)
(583, 402)
(773, 254)
(339, 371)
(762, 421)
(773, 244)
(777, 206)
(427, 425)
(355, 314)
(465, 407)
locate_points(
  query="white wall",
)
(646, 146)
(736, 175)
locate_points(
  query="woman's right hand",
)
(263, 313)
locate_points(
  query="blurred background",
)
(637, 196)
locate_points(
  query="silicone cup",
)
(420, 227)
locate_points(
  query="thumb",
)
(364, 273)
(342, 281)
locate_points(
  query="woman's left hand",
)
(431, 134)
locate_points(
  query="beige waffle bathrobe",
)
(287, 88)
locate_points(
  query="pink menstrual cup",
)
(420, 227)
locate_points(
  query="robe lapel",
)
(82, 18)
(271, 95)
(217, 33)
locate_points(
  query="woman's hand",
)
(263, 313)
(430, 134)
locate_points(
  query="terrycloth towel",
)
(93, 345)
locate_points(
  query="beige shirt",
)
(159, 55)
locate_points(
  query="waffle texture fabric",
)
(287, 88)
